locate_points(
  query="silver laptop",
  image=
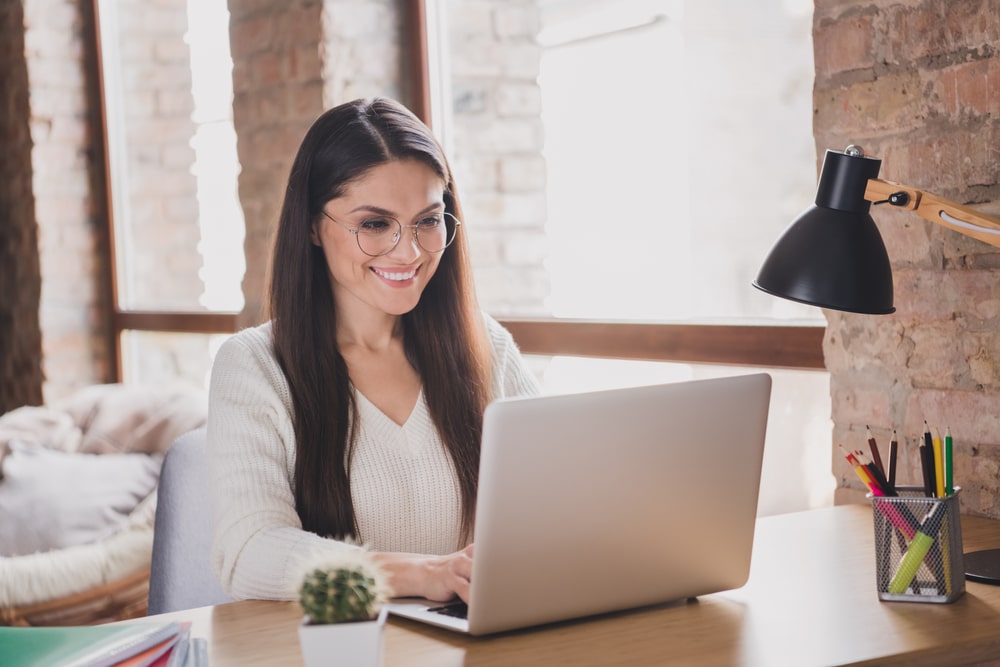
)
(610, 500)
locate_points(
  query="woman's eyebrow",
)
(372, 209)
(378, 210)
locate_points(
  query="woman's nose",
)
(407, 247)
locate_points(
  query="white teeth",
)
(396, 276)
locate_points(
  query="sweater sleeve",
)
(512, 377)
(258, 540)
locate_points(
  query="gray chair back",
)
(181, 573)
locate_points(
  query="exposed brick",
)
(469, 22)
(526, 248)
(937, 295)
(476, 173)
(519, 99)
(511, 21)
(507, 135)
(20, 276)
(890, 103)
(355, 21)
(266, 69)
(506, 210)
(250, 35)
(926, 113)
(935, 360)
(857, 405)
(970, 88)
(521, 173)
(934, 30)
(982, 354)
(843, 45)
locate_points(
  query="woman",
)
(354, 415)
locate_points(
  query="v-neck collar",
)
(408, 424)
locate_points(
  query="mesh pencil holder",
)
(918, 547)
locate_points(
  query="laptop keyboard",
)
(456, 609)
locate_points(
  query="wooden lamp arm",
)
(961, 219)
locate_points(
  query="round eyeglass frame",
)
(356, 233)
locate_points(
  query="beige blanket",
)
(108, 418)
(100, 419)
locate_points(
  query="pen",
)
(949, 484)
(893, 447)
(938, 465)
(874, 447)
(921, 544)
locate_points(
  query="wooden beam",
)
(104, 210)
(794, 347)
(417, 63)
(177, 322)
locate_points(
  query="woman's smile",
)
(397, 277)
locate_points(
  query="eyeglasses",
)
(378, 235)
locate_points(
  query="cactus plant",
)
(341, 592)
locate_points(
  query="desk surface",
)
(810, 600)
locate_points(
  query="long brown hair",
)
(443, 336)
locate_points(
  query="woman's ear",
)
(314, 235)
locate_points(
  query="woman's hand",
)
(438, 578)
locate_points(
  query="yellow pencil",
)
(938, 463)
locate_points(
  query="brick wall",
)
(73, 309)
(277, 93)
(496, 148)
(361, 49)
(918, 84)
(20, 280)
(158, 193)
(290, 63)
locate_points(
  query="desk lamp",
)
(833, 256)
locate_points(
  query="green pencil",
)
(949, 484)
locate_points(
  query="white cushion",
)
(50, 499)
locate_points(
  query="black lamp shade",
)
(832, 255)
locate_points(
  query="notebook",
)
(611, 500)
(88, 645)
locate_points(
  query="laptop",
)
(610, 500)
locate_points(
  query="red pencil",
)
(877, 475)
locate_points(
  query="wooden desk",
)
(810, 601)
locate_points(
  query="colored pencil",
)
(893, 451)
(938, 465)
(874, 447)
(949, 463)
(930, 484)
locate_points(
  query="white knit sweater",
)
(403, 485)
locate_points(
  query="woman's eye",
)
(376, 225)
(430, 222)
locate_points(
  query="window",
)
(171, 151)
(678, 143)
(623, 164)
(632, 161)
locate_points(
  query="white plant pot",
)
(342, 644)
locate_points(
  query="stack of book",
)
(136, 644)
